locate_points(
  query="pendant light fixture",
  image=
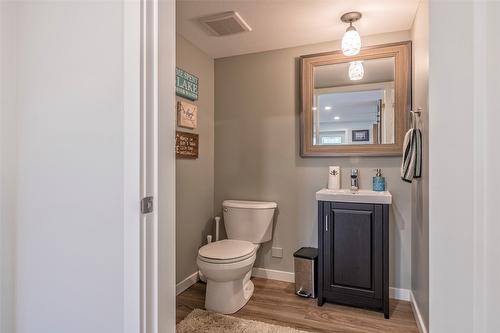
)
(356, 70)
(351, 42)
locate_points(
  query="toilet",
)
(227, 264)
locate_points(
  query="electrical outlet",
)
(277, 252)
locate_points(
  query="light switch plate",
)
(277, 252)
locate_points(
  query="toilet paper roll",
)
(334, 178)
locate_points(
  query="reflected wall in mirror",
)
(355, 105)
(347, 111)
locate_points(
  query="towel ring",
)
(414, 115)
(418, 112)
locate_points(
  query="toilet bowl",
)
(227, 264)
(228, 274)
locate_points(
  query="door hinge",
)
(147, 205)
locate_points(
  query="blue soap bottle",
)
(379, 181)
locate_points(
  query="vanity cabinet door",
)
(353, 255)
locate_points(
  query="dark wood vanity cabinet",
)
(353, 263)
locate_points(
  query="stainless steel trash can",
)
(306, 271)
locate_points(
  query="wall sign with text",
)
(186, 145)
(186, 85)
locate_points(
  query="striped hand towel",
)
(412, 156)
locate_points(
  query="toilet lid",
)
(227, 249)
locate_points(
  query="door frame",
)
(166, 165)
(149, 239)
(132, 68)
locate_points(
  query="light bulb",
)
(356, 70)
(351, 42)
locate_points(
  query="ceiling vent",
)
(224, 24)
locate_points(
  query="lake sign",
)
(186, 85)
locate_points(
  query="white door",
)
(79, 150)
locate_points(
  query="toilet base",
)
(228, 297)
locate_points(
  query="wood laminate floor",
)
(275, 302)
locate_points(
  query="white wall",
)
(463, 199)
(69, 200)
(8, 162)
(420, 187)
(166, 166)
(489, 14)
(451, 167)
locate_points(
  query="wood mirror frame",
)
(402, 100)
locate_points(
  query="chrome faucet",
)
(354, 180)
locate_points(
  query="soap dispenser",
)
(379, 181)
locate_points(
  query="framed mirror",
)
(357, 105)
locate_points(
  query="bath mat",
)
(209, 322)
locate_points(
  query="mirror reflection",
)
(353, 103)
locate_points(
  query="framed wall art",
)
(360, 135)
(187, 115)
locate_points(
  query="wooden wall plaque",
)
(186, 145)
(187, 115)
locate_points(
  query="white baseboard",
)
(186, 283)
(396, 293)
(272, 274)
(418, 314)
(399, 294)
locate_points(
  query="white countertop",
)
(360, 196)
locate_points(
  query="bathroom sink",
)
(360, 196)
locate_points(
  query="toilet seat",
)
(227, 251)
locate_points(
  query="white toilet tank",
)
(249, 220)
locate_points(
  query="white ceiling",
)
(279, 24)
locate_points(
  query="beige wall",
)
(195, 178)
(257, 154)
(420, 188)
